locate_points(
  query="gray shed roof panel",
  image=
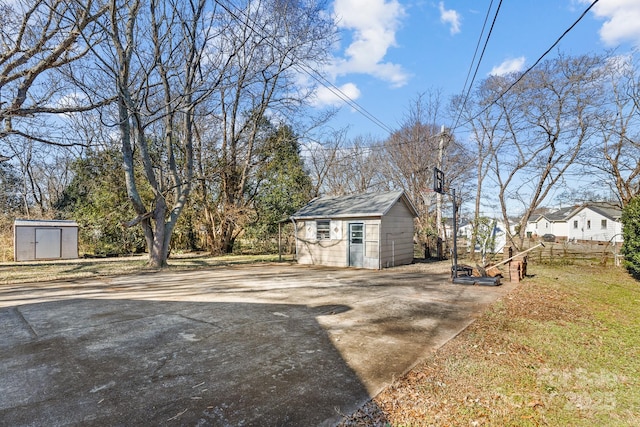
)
(44, 223)
(353, 206)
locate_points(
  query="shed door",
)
(48, 243)
(356, 245)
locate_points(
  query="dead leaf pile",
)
(442, 392)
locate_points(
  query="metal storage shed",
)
(44, 239)
(372, 230)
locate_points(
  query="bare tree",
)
(44, 174)
(321, 157)
(37, 39)
(544, 123)
(155, 56)
(415, 149)
(271, 40)
(483, 132)
(615, 153)
(353, 167)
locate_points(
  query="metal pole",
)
(442, 233)
(280, 241)
(455, 234)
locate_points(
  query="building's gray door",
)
(48, 243)
(356, 244)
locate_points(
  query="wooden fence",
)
(554, 253)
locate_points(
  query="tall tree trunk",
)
(159, 249)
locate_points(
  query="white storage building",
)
(372, 230)
(44, 239)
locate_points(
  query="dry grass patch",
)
(561, 349)
(43, 271)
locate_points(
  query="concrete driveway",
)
(271, 344)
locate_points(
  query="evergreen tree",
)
(283, 186)
(631, 234)
(97, 200)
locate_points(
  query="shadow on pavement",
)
(134, 362)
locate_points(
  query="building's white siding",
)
(397, 237)
(560, 229)
(531, 229)
(588, 225)
(543, 226)
(372, 244)
(386, 239)
(387, 242)
(332, 252)
(335, 251)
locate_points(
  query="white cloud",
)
(622, 21)
(325, 97)
(450, 17)
(373, 24)
(507, 66)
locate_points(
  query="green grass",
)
(562, 349)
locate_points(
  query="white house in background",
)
(593, 221)
(598, 222)
(554, 222)
(499, 234)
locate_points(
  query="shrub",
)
(631, 234)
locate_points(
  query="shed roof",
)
(352, 206)
(44, 223)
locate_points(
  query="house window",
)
(603, 224)
(588, 224)
(323, 230)
(575, 224)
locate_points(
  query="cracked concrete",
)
(246, 345)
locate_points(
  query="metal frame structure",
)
(467, 279)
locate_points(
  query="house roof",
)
(560, 215)
(356, 205)
(608, 210)
(605, 209)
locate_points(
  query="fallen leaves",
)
(456, 385)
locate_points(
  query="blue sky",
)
(392, 50)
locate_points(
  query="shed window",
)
(323, 230)
(603, 224)
(575, 224)
(588, 224)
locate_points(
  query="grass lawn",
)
(562, 349)
(41, 271)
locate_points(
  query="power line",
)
(314, 74)
(484, 25)
(484, 48)
(344, 97)
(584, 13)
